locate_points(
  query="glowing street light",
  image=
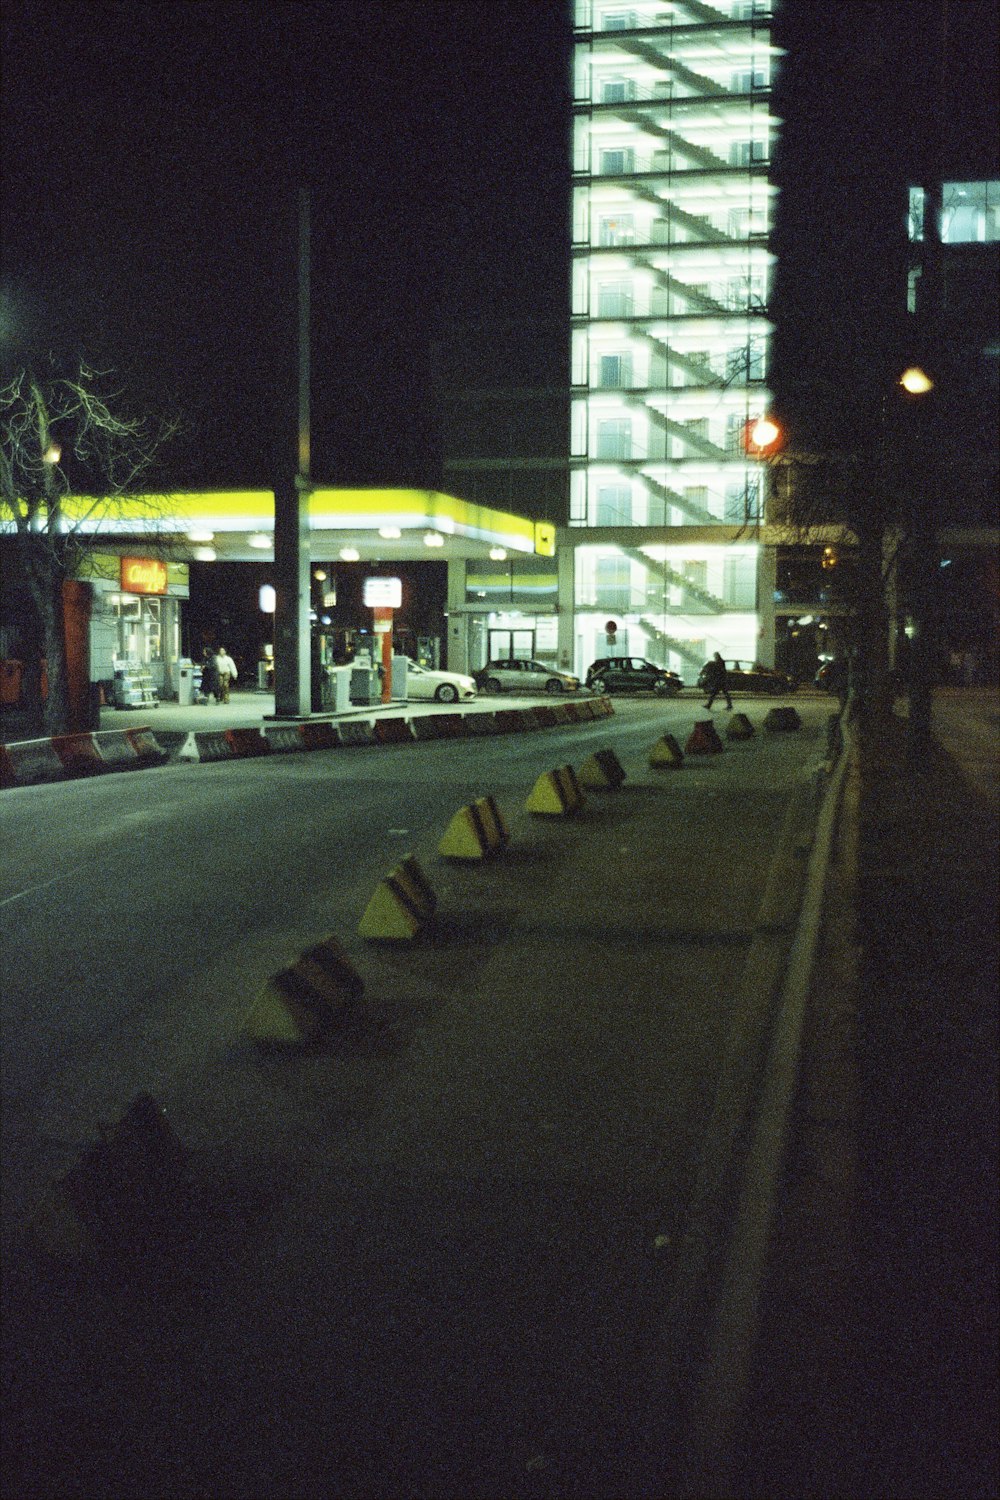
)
(916, 381)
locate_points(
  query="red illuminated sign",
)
(143, 575)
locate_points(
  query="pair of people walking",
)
(218, 672)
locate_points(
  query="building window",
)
(613, 584)
(749, 79)
(616, 160)
(614, 299)
(739, 582)
(616, 370)
(617, 90)
(743, 501)
(745, 222)
(747, 153)
(618, 20)
(614, 437)
(614, 505)
(617, 229)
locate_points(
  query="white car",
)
(445, 687)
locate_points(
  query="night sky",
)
(152, 155)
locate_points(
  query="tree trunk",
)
(45, 577)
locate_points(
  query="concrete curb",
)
(715, 1308)
(64, 757)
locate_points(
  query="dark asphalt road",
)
(435, 1261)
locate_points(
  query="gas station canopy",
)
(367, 525)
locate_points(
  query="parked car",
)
(515, 676)
(831, 677)
(631, 674)
(445, 687)
(751, 677)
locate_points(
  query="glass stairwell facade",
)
(672, 207)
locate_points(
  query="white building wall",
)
(672, 206)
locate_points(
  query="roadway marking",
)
(31, 889)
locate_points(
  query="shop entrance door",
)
(511, 645)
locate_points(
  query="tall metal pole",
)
(292, 689)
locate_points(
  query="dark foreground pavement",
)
(877, 1373)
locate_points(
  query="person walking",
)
(209, 676)
(227, 673)
(715, 681)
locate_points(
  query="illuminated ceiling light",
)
(201, 536)
(205, 554)
(319, 574)
(350, 554)
(433, 539)
(52, 454)
(391, 533)
(267, 598)
(498, 554)
(260, 541)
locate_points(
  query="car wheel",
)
(446, 693)
(553, 685)
(673, 689)
(598, 685)
(493, 685)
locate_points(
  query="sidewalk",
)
(877, 1371)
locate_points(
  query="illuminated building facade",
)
(672, 207)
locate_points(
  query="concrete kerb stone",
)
(32, 762)
(355, 731)
(285, 739)
(481, 723)
(734, 1205)
(392, 731)
(35, 761)
(206, 744)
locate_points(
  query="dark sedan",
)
(751, 677)
(631, 674)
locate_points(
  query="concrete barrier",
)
(438, 726)
(356, 732)
(392, 731)
(782, 720)
(118, 1203)
(666, 754)
(78, 753)
(319, 736)
(602, 771)
(739, 728)
(117, 751)
(544, 716)
(31, 762)
(481, 723)
(285, 739)
(306, 1003)
(556, 793)
(703, 739)
(401, 906)
(475, 832)
(206, 744)
(247, 742)
(512, 720)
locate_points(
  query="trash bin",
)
(366, 685)
(337, 690)
(185, 682)
(399, 668)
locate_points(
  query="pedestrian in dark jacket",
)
(210, 676)
(714, 678)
